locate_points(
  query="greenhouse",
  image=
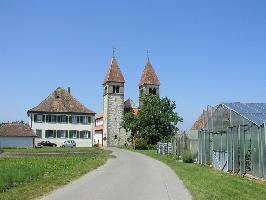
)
(233, 138)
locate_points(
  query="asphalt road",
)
(126, 176)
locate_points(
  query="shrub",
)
(141, 144)
(152, 147)
(187, 157)
(1, 150)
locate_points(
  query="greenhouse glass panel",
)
(255, 150)
(207, 148)
(242, 161)
(224, 142)
(264, 149)
(261, 154)
(235, 150)
(229, 150)
(203, 149)
(200, 147)
(248, 150)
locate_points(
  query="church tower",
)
(113, 89)
(149, 83)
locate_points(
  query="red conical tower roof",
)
(114, 73)
(149, 76)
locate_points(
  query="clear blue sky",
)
(204, 52)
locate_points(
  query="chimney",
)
(69, 90)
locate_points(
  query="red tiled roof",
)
(16, 130)
(135, 111)
(199, 124)
(99, 115)
(114, 73)
(149, 76)
(98, 128)
(61, 101)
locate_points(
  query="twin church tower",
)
(114, 102)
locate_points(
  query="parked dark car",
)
(46, 144)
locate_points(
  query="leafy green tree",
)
(131, 124)
(157, 119)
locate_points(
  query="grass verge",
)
(48, 150)
(205, 183)
(31, 177)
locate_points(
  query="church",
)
(115, 104)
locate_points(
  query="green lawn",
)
(31, 177)
(48, 150)
(205, 183)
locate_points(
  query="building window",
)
(39, 118)
(141, 92)
(51, 118)
(117, 89)
(39, 133)
(105, 90)
(85, 134)
(62, 119)
(85, 119)
(61, 134)
(82, 120)
(115, 137)
(154, 91)
(113, 89)
(150, 90)
(74, 119)
(73, 134)
(50, 134)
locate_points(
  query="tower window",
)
(154, 91)
(150, 91)
(117, 89)
(115, 137)
(113, 89)
(105, 90)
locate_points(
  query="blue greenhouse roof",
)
(254, 112)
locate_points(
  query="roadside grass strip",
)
(49, 150)
(31, 177)
(206, 183)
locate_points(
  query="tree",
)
(130, 123)
(157, 119)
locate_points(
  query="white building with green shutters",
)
(61, 117)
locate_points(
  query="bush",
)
(1, 150)
(141, 144)
(187, 157)
(152, 147)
